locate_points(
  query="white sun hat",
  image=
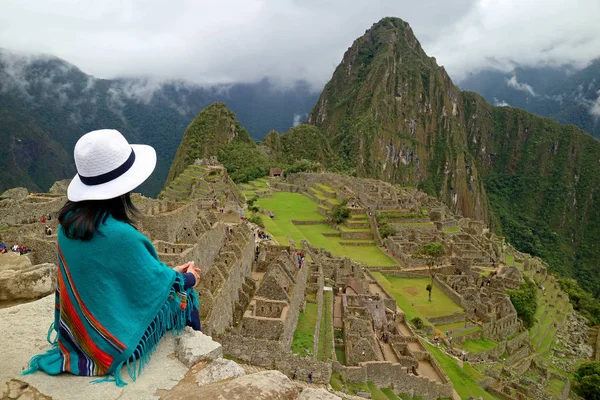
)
(108, 166)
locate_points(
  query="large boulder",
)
(266, 385)
(19, 280)
(193, 346)
(60, 187)
(15, 194)
(218, 370)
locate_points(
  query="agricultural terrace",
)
(298, 207)
(412, 297)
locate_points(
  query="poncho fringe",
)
(171, 317)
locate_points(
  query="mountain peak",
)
(213, 128)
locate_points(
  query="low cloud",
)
(595, 107)
(298, 119)
(234, 41)
(500, 103)
(523, 87)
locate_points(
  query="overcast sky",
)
(211, 41)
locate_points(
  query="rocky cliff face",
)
(394, 114)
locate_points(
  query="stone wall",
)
(443, 286)
(316, 336)
(170, 222)
(272, 354)
(222, 302)
(295, 302)
(385, 374)
(29, 209)
(447, 319)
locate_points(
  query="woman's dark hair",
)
(80, 219)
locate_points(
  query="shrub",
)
(339, 213)
(386, 230)
(418, 323)
(256, 219)
(254, 209)
(525, 302)
(251, 201)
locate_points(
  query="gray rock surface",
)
(218, 370)
(317, 394)
(24, 281)
(24, 330)
(193, 346)
(266, 385)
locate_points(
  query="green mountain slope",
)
(392, 113)
(563, 93)
(215, 131)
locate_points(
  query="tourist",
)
(2, 248)
(294, 375)
(43, 219)
(310, 377)
(140, 298)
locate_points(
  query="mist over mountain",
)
(563, 93)
(46, 104)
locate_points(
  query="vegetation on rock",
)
(525, 302)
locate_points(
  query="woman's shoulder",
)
(118, 230)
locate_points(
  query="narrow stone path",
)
(388, 352)
(337, 312)
(426, 369)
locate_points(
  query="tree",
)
(525, 302)
(588, 377)
(432, 253)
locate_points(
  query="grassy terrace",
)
(463, 379)
(479, 345)
(295, 206)
(326, 332)
(303, 342)
(412, 298)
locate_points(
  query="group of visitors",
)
(46, 218)
(48, 230)
(300, 259)
(16, 248)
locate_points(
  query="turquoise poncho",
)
(114, 301)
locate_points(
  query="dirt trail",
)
(403, 329)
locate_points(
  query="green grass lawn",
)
(376, 393)
(412, 298)
(452, 230)
(304, 334)
(555, 387)
(326, 333)
(390, 394)
(340, 355)
(463, 379)
(455, 326)
(295, 206)
(478, 345)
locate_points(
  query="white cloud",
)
(595, 107)
(500, 103)
(298, 119)
(523, 87)
(245, 40)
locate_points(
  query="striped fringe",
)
(171, 318)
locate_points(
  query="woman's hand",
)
(183, 268)
(193, 270)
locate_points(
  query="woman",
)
(114, 298)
